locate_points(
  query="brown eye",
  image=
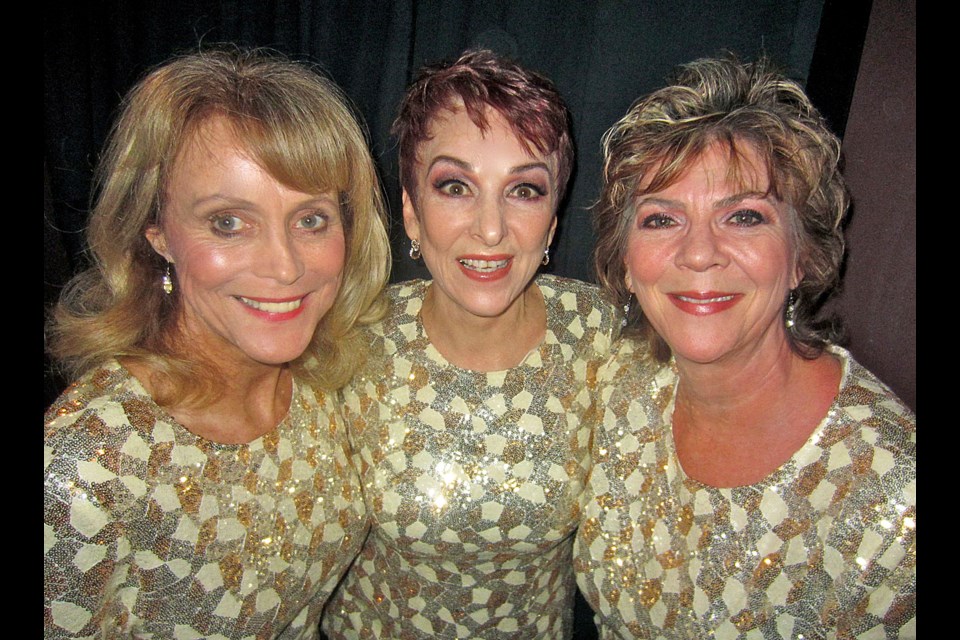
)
(454, 188)
(528, 191)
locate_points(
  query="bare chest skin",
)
(745, 442)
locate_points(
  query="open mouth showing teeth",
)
(705, 300)
(484, 265)
(272, 307)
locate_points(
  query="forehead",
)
(736, 166)
(453, 132)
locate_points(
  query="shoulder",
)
(881, 418)
(404, 300)
(579, 307)
(101, 406)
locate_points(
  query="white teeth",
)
(272, 307)
(483, 265)
(705, 300)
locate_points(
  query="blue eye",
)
(746, 218)
(657, 221)
(313, 221)
(226, 224)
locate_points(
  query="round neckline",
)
(777, 474)
(139, 388)
(435, 354)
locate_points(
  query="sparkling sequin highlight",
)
(823, 547)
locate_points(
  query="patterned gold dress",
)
(153, 532)
(824, 547)
(472, 479)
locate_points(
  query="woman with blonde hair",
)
(750, 478)
(196, 477)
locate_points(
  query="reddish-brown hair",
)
(481, 80)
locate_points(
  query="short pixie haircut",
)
(482, 80)
(300, 128)
(724, 101)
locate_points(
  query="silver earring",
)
(166, 281)
(626, 314)
(546, 256)
(415, 249)
(791, 309)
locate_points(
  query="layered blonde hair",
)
(301, 129)
(723, 101)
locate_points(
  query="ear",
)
(627, 282)
(158, 241)
(797, 276)
(553, 230)
(411, 223)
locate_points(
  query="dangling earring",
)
(626, 314)
(546, 256)
(166, 281)
(415, 249)
(791, 309)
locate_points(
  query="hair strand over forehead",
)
(724, 101)
(480, 80)
(292, 121)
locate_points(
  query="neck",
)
(483, 343)
(737, 385)
(252, 399)
(734, 423)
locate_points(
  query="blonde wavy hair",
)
(721, 100)
(301, 128)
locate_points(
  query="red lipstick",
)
(703, 303)
(485, 268)
(273, 309)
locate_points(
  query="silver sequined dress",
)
(153, 532)
(472, 479)
(824, 547)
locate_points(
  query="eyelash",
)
(746, 218)
(656, 221)
(322, 219)
(444, 185)
(538, 191)
(225, 233)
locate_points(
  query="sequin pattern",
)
(472, 479)
(824, 547)
(153, 532)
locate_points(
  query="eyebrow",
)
(243, 203)
(719, 204)
(466, 166)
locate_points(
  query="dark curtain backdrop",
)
(602, 55)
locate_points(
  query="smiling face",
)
(257, 264)
(484, 213)
(712, 259)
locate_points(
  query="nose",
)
(490, 222)
(700, 249)
(280, 259)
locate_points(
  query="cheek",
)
(328, 262)
(204, 264)
(643, 265)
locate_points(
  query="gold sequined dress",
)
(824, 547)
(472, 478)
(153, 532)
